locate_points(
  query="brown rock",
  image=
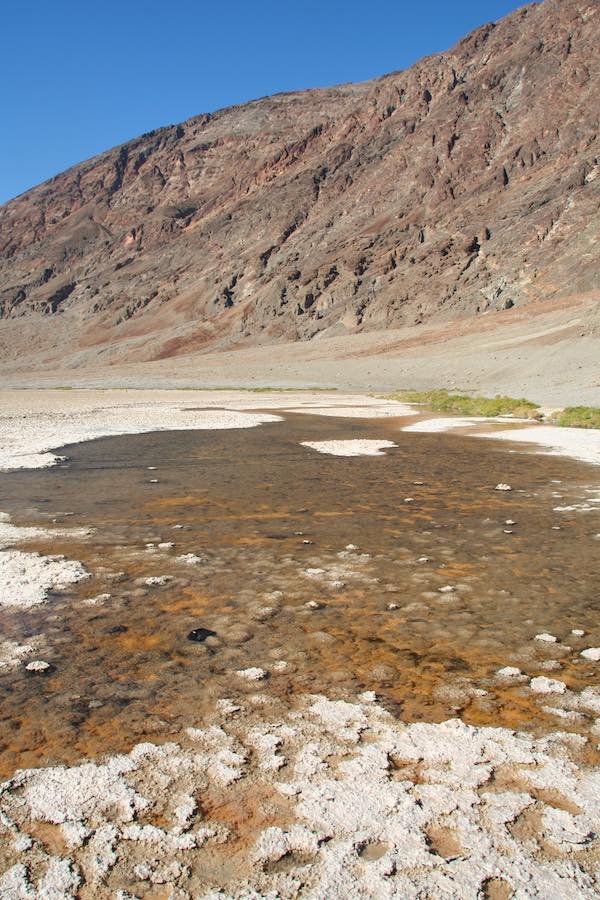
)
(467, 183)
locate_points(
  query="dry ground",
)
(550, 355)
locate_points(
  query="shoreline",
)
(34, 424)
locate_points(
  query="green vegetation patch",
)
(441, 400)
(579, 417)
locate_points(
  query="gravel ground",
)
(549, 356)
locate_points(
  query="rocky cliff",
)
(466, 183)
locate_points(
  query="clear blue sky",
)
(80, 76)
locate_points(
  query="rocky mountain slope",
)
(465, 184)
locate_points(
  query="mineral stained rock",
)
(464, 184)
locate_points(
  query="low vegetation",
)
(578, 417)
(441, 400)
(286, 390)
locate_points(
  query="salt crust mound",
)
(365, 807)
(26, 441)
(350, 448)
(12, 654)
(27, 578)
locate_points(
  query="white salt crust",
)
(27, 442)
(510, 807)
(13, 654)
(26, 579)
(439, 425)
(382, 410)
(577, 443)
(543, 685)
(350, 448)
(12, 534)
(353, 406)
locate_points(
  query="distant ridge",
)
(467, 183)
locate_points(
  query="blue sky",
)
(80, 76)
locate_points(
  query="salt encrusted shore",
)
(334, 800)
(35, 423)
(577, 443)
(27, 442)
(439, 425)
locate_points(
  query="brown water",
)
(260, 510)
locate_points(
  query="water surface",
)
(260, 510)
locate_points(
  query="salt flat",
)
(339, 798)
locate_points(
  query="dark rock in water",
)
(118, 629)
(198, 635)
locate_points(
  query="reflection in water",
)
(324, 571)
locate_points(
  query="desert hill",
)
(463, 185)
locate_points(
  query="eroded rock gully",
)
(465, 184)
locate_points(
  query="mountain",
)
(465, 184)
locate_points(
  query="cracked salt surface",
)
(512, 806)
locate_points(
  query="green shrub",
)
(441, 400)
(579, 417)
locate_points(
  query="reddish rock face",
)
(467, 183)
